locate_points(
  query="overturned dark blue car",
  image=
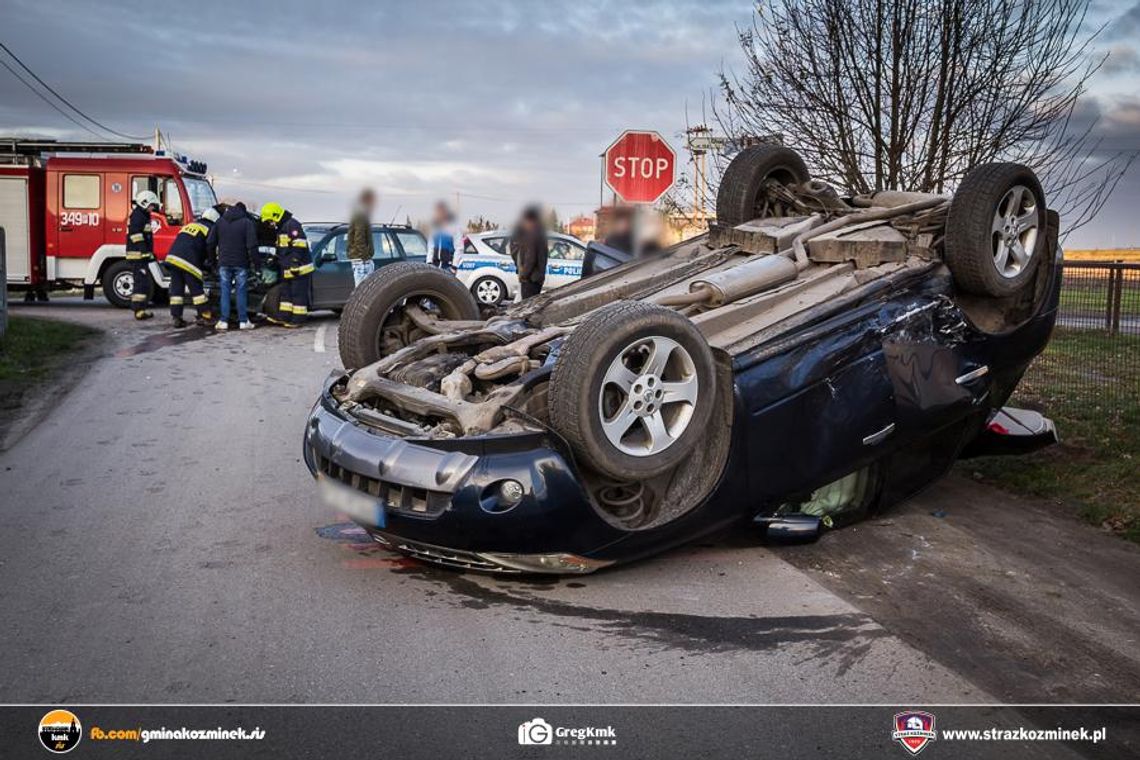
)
(811, 360)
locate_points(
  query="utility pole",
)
(699, 140)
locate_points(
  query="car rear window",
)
(413, 242)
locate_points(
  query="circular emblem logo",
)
(116, 187)
(60, 731)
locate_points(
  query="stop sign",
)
(640, 166)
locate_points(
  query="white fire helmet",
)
(147, 198)
(211, 214)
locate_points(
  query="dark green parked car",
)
(332, 282)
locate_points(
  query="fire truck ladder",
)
(14, 150)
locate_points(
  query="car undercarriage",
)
(633, 372)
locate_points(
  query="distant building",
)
(582, 227)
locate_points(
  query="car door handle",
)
(880, 436)
(972, 375)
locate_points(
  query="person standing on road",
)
(234, 237)
(442, 238)
(187, 256)
(532, 251)
(140, 250)
(296, 263)
(360, 248)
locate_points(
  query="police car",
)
(485, 266)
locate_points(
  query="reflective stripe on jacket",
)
(140, 238)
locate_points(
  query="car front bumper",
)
(441, 500)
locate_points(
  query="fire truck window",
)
(138, 184)
(81, 191)
(172, 202)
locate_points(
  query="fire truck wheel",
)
(118, 283)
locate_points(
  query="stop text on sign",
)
(640, 166)
(646, 168)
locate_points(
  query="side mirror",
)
(328, 255)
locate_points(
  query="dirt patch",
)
(1022, 599)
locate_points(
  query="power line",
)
(44, 98)
(62, 99)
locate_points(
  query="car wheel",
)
(271, 304)
(632, 390)
(743, 194)
(489, 291)
(995, 229)
(373, 324)
(119, 282)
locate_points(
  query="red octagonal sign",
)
(640, 166)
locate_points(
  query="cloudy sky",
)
(501, 101)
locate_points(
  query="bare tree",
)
(909, 94)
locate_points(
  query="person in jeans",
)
(360, 248)
(234, 236)
(442, 238)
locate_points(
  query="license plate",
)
(360, 507)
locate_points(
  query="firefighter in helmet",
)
(140, 250)
(188, 254)
(295, 261)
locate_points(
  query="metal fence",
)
(1094, 356)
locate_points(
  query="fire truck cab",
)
(64, 207)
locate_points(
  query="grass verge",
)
(33, 349)
(1097, 464)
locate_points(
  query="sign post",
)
(640, 167)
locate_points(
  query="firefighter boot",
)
(141, 314)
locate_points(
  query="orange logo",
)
(60, 731)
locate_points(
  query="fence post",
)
(1109, 292)
(3, 286)
(1117, 297)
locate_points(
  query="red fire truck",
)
(64, 207)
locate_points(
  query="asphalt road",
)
(162, 541)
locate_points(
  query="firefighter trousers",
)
(180, 282)
(141, 282)
(295, 297)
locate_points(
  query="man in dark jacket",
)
(188, 254)
(234, 236)
(532, 252)
(140, 250)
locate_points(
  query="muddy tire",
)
(632, 390)
(118, 282)
(995, 229)
(365, 333)
(271, 304)
(741, 196)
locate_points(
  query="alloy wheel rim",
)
(488, 291)
(1015, 229)
(648, 396)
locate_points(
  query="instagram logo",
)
(536, 731)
